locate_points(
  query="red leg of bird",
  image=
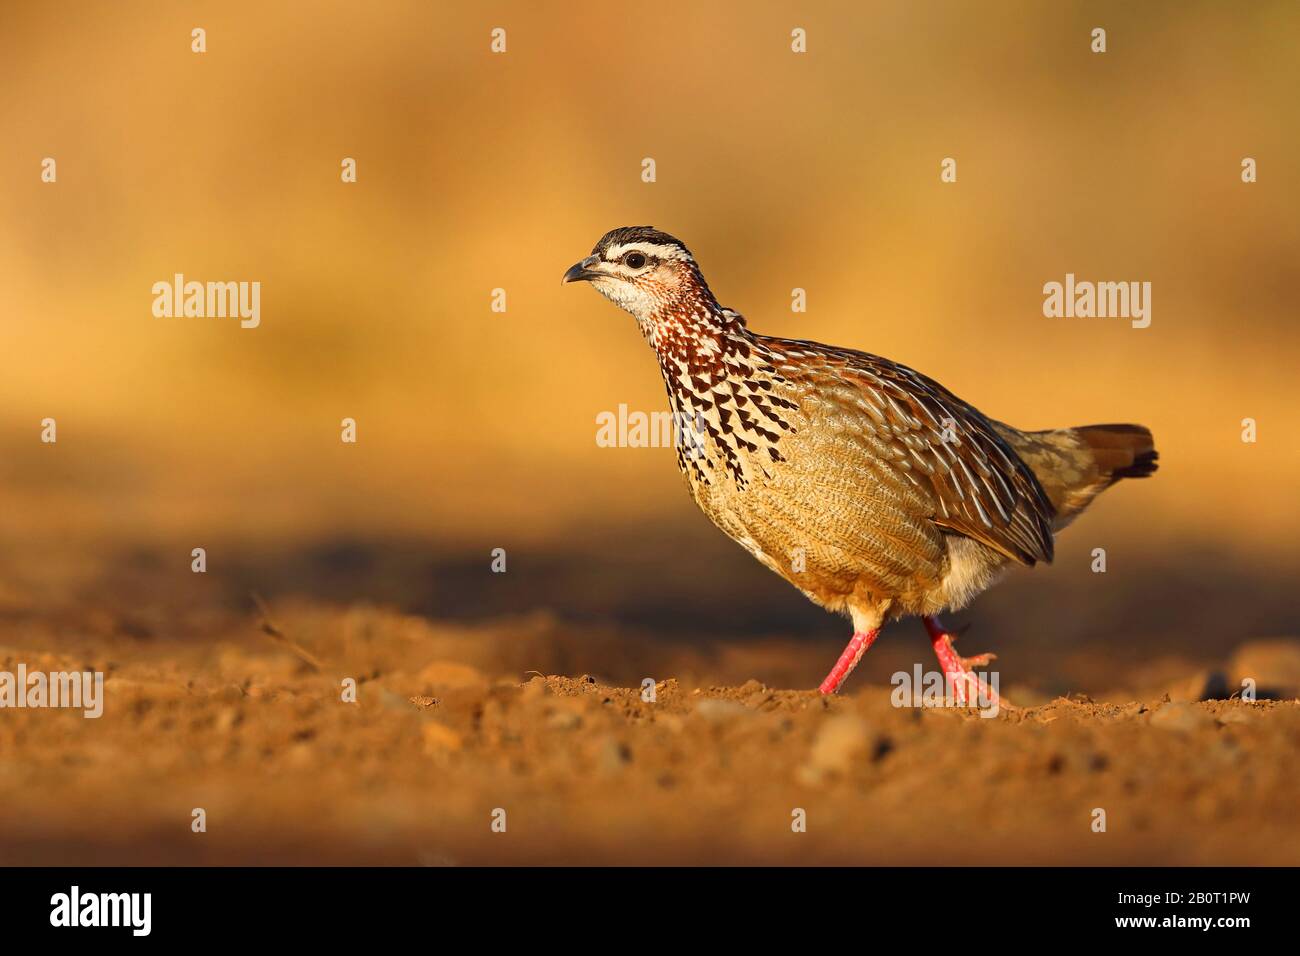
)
(857, 646)
(957, 669)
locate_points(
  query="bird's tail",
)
(1121, 451)
(1075, 465)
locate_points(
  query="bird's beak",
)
(582, 271)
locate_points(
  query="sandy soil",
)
(449, 726)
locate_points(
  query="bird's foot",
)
(979, 660)
(968, 688)
(857, 646)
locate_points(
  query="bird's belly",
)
(830, 535)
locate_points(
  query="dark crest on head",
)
(628, 234)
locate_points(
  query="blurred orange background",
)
(479, 170)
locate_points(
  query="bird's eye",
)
(634, 260)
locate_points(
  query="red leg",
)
(848, 660)
(957, 669)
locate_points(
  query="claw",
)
(966, 685)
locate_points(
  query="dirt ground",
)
(453, 723)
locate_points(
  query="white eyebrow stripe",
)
(650, 249)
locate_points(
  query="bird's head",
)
(645, 272)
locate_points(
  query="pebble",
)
(840, 742)
(1180, 716)
(1205, 685)
(614, 754)
(718, 710)
(300, 756)
(440, 739)
(1274, 665)
(564, 720)
(227, 719)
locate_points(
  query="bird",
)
(868, 486)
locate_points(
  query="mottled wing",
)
(952, 455)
